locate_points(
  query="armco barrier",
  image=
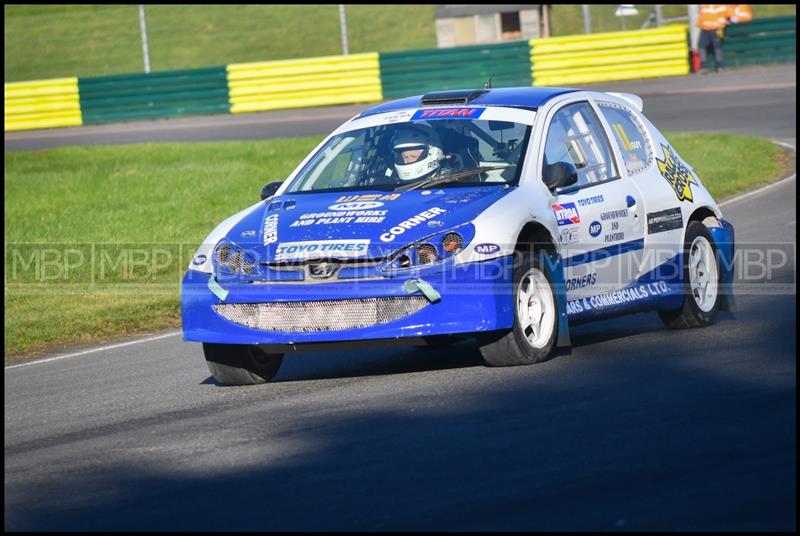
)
(762, 41)
(580, 59)
(160, 94)
(41, 104)
(304, 82)
(418, 71)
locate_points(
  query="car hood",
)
(356, 225)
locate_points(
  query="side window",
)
(575, 136)
(630, 136)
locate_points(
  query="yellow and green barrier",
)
(148, 95)
(41, 104)
(580, 59)
(412, 72)
(760, 42)
(304, 82)
(372, 77)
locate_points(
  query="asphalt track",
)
(637, 428)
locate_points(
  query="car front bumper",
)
(473, 298)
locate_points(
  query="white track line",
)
(93, 350)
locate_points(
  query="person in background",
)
(712, 20)
(739, 13)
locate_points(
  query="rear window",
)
(630, 136)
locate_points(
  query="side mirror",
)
(269, 189)
(559, 175)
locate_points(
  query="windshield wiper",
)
(453, 177)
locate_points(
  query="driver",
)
(417, 152)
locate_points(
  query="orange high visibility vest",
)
(740, 13)
(713, 16)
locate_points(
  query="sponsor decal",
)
(321, 248)
(614, 237)
(568, 235)
(609, 299)
(435, 223)
(413, 221)
(487, 249)
(614, 214)
(338, 218)
(289, 205)
(425, 192)
(595, 229)
(679, 177)
(566, 213)
(356, 205)
(367, 198)
(270, 230)
(199, 259)
(248, 234)
(448, 113)
(627, 144)
(664, 220)
(397, 117)
(591, 200)
(587, 280)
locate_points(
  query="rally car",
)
(504, 215)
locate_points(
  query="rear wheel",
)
(701, 274)
(533, 336)
(241, 364)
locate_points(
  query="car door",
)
(600, 219)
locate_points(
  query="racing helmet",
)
(417, 151)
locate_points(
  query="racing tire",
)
(701, 275)
(535, 330)
(240, 364)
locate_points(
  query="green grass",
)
(97, 238)
(51, 41)
(58, 41)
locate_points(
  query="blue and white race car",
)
(506, 215)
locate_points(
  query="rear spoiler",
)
(634, 100)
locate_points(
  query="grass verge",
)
(97, 238)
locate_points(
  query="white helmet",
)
(417, 152)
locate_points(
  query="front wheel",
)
(533, 336)
(240, 364)
(701, 274)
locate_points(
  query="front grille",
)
(312, 316)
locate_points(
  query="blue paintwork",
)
(475, 297)
(604, 253)
(460, 205)
(724, 240)
(660, 288)
(519, 97)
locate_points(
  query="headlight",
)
(431, 250)
(232, 259)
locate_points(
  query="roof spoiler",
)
(634, 100)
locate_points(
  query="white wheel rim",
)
(535, 308)
(703, 275)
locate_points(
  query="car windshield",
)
(401, 155)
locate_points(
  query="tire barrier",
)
(418, 71)
(760, 42)
(580, 59)
(41, 104)
(160, 94)
(304, 82)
